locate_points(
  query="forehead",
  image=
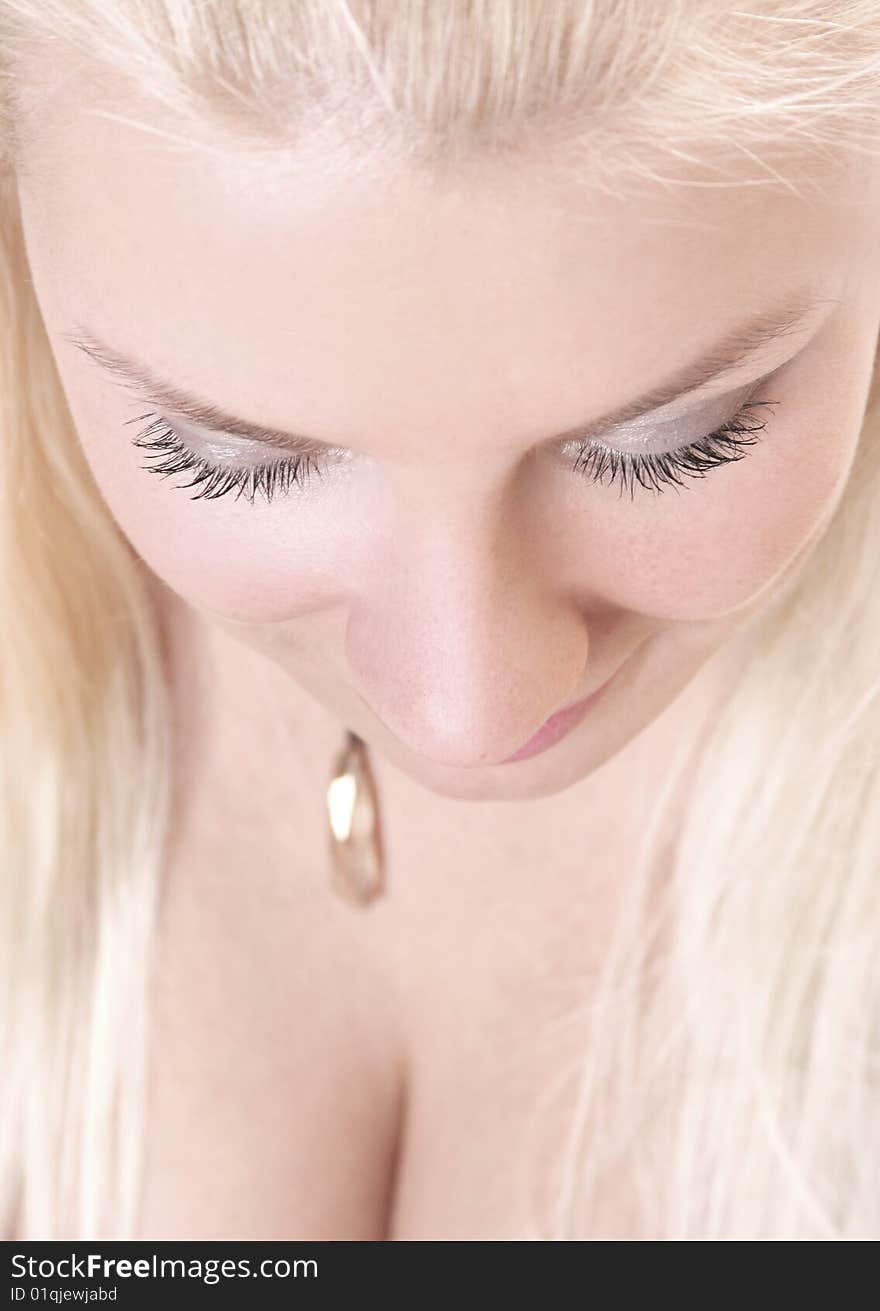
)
(287, 282)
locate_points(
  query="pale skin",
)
(443, 589)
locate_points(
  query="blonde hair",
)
(739, 1008)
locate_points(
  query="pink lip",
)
(556, 727)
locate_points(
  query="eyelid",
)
(227, 446)
(650, 435)
(704, 412)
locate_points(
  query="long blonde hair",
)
(759, 1014)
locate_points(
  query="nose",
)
(460, 645)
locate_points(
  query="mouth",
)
(556, 727)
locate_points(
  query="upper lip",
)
(577, 701)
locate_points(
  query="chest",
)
(322, 1074)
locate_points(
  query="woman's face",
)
(442, 569)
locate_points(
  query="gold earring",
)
(356, 863)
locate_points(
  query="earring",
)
(356, 864)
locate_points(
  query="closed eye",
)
(655, 472)
(169, 455)
(594, 459)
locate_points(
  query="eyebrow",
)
(725, 357)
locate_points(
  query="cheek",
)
(256, 562)
(708, 552)
(736, 535)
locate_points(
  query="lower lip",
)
(556, 727)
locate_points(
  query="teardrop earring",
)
(356, 863)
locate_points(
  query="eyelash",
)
(652, 472)
(214, 479)
(723, 446)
